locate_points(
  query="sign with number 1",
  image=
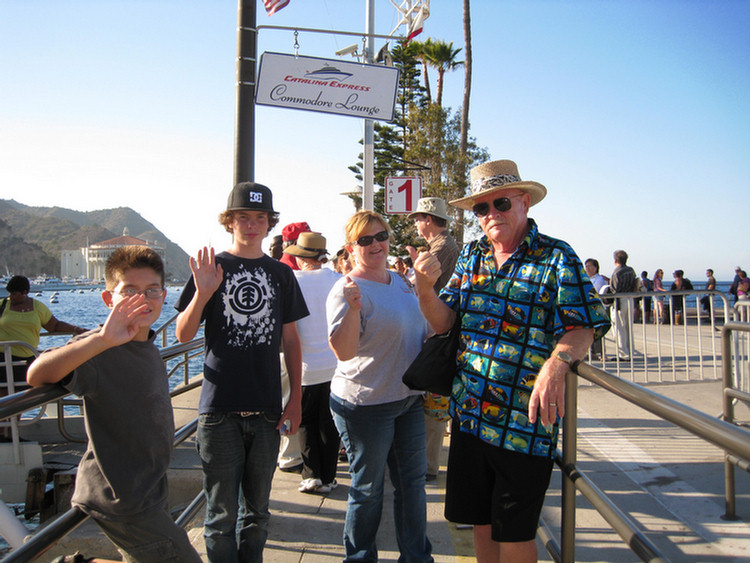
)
(402, 194)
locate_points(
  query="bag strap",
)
(2, 307)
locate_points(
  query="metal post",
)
(244, 140)
(368, 157)
(570, 445)
(728, 416)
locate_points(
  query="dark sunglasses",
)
(501, 204)
(367, 239)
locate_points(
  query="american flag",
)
(273, 6)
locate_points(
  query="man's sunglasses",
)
(367, 239)
(502, 204)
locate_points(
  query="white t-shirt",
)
(318, 360)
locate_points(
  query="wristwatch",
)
(564, 357)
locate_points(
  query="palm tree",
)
(463, 143)
(422, 51)
(442, 56)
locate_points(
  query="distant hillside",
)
(31, 238)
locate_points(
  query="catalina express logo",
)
(247, 308)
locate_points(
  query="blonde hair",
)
(360, 221)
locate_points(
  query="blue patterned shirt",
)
(511, 320)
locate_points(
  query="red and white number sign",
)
(402, 194)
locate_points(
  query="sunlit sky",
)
(634, 114)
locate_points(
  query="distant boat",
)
(329, 73)
(53, 299)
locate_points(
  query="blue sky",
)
(634, 114)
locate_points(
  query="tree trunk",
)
(465, 108)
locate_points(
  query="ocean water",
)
(86, 309)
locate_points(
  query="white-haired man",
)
(528, 311)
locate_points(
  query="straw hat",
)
(309, 245)
(496, 176)
(431, 206)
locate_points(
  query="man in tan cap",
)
(528, 311)
(431, 219)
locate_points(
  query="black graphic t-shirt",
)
(244, 319)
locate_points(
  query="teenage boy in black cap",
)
(250, 304)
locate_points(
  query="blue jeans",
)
(376, 435)
(239, 458)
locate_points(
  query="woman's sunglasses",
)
(501, 204)
(367, 239)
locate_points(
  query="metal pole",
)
(244, 140)
(368, 158)
(569, 458)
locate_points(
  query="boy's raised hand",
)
(127, 317)
(206, 272)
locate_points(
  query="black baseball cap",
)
(249, 195)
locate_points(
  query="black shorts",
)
(490, 485)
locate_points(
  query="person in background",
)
(658, 301)
(735, 283)
(250, 304)
(21, 319)
(646, 285)
(710, 286)
(599, 282)
(680, 283)
(592, 271)
(342, 261)
(376, 330)
(290, 447)
(431, 220)
(276, 250)
(743, 287)
(289, 236)
(320, 446)
(623, 280)
(527, 311)
(122, 477)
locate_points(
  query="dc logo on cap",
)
(255, 197)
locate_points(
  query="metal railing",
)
(20, 402)
(727, 436)
(658, 348)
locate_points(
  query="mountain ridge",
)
(32, 238)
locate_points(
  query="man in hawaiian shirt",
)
(528, 312)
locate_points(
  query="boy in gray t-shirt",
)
(122, 476)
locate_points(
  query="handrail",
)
(37, 396)
(734, 440)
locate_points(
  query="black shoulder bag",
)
(435, 366)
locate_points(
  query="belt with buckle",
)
(248, 413)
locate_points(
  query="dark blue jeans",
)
(389, 434)
(239, 458)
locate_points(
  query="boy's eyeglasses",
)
(502, 204)
(367, 239)
(150, 293)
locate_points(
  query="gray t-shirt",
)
(392, 331)
(129, 422)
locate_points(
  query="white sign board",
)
(329, 86)
(402, 194)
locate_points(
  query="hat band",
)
(498, 181)
(309, 249)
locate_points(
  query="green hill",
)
(31, 238)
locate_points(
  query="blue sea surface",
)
(85, 308)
